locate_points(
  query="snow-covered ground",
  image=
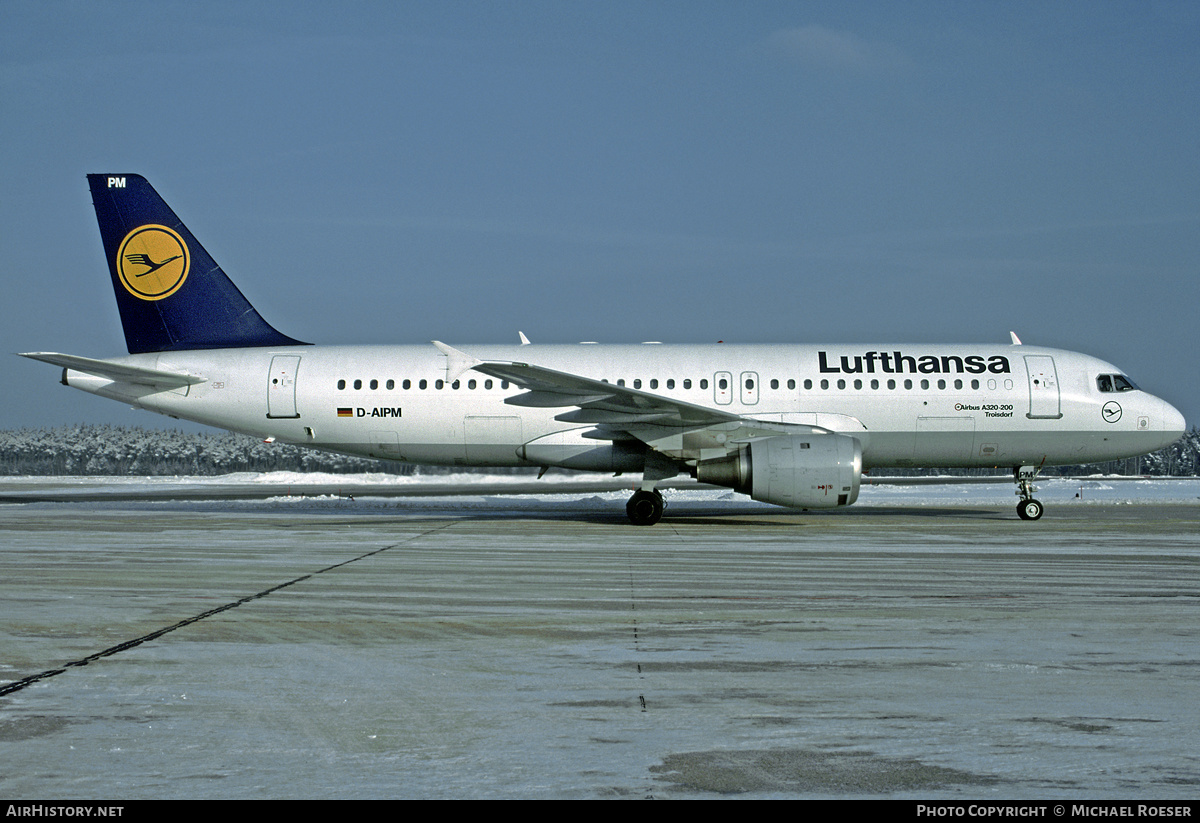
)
(506, 491)
(926, 644)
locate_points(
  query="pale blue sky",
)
(675, 171)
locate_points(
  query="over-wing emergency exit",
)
(794, 425)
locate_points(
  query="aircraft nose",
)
(1173, 422)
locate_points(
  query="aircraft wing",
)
(596, 401)
(120, 372)
(678, 429)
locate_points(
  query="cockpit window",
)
(1114, 383)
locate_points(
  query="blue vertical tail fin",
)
(172, 295)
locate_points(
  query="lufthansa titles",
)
(897, 362)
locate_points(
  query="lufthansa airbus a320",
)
(794, 425)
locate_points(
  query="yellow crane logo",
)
(153, 262)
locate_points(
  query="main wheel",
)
(1029, 509)
(644, 508)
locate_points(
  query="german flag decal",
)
(345, 412)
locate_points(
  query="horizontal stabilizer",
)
(119, 372)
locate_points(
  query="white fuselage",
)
(908, 405)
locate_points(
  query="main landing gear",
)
(645, 508)
(1028, 508)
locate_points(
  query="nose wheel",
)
(645, 508)
(1028, 508)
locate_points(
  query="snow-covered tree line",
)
(119, 450)
(1180, 459)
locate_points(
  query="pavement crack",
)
(17, 685)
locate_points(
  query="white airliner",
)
(785, 424)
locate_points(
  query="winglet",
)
(457, 361)
(1016, 341)
(524, 339)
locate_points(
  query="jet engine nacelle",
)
(817, 471)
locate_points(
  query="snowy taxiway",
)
(924, 643)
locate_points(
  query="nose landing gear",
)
(1028, 508)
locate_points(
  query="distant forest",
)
(105, 450)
